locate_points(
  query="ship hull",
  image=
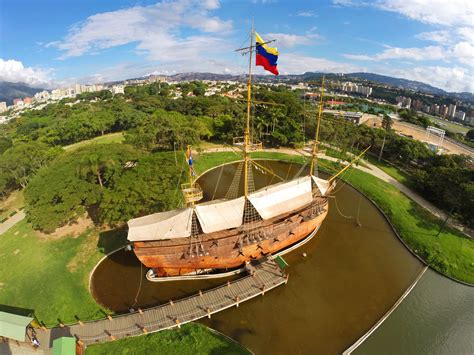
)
(231, 248)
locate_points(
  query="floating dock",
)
(263, 277)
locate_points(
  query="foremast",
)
(314, 154)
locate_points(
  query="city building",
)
(443, 111)
(451, 110)
(434, 109)
(27, 101)
(18, 102)
(118, 89)
(418, 105)
(42, 96)
(404, 102)
(352, 87)
(460, 115)
(3, 106)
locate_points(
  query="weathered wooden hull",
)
(221, 250)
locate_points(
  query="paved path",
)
(266, 276)
(10, 222)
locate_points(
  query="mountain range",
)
(10, 91)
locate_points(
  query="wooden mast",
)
(314, 154)
(247, 128)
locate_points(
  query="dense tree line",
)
(155, 121)
(112, 183)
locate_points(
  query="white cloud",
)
(306, 14)
(418, 54)
(436, 12)
(456, 79)
(462, 52)
(14, 71)
(436, 36)
(157, 30)
(295, 63)
(290, 40)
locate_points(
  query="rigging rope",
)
(358, 210)
(218, 182)
(338, 210)
(140, 286)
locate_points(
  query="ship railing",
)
(192, 192)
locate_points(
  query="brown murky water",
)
(351, 276)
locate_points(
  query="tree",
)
(59, 193)
(470, 135)
(387, 123)
(24, 159)
(99, 166)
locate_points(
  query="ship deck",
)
(266, 275)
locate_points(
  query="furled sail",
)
(220, 215)
(281, 198)
(323, 185)
(163, 225)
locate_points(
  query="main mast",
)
(247, 127)
(314, 154)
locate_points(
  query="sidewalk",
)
(11, 222)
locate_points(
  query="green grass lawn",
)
(13, 202)
(397, 174)
(191, 339)
(451, 253)
(449, 126)
(105, 139)
(50, 275)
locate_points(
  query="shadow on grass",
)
(426, 220)
(26, 312)
(112, 240)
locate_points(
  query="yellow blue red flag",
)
(266, 56)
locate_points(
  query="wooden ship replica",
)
(214, 237)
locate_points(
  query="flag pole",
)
(247, 127)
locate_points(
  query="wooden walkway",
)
(266, 276)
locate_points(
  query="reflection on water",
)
(437, 317)
(351, 276)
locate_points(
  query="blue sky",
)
(54, 42)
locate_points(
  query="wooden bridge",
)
(263, 277)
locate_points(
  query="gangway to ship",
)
(266, 275)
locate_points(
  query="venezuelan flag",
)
(266, 56)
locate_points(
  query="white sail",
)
(220, 215)
(323, 185)
(281, 198)
(163, 225)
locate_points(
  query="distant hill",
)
(397, 82)
(10, 91)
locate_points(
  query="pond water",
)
(437, 317)
(353, 273)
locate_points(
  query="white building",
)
(405, 102)
(42, 96)
(118, 89)
(460, 115)
(3, 106)
(451, 110)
